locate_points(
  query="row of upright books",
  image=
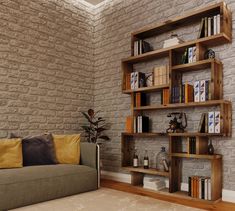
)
(161, 75)
(199, 187)
(185, 93)
(189, 55)
(141, 46)
(140, 124)
(209, 26)
(210, 122)
(192, 145)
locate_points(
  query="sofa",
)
(33, 184)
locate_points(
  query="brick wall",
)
(46, 66)
(114, 22)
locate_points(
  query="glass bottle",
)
(162, 160)
(146, 160)
(210, 148)
(135, 160)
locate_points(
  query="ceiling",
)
(94, 2)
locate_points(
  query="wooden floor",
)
(206, 205)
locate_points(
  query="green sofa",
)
(29, 185)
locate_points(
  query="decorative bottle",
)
(135, 160)
(146, 160)
(162, 160)
(210, 148)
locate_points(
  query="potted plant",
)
(95, 128)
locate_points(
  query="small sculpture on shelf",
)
(178, 123)
(209, 54)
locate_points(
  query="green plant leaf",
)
(104, 138)
(100, 129)
(87, 117)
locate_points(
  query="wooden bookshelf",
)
(175, 77)
(151, 171)
(147, 89)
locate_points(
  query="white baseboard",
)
(227, 195)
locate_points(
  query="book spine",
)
(209, 26)
(206, 189)
(214, 25)
(200, 188)
(190, 55)
(211, 122)
(189, 186)
(206, 27)
(194, 57)
(207, 90)
(203, 188)
(218, 23)
(134, 126)
(217, 121)
(209, 189)
(206, 123)
(133, 80)
(197, 91)
(202, 90)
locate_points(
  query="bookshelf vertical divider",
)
(175, 78)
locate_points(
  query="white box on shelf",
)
(211, 122)
(197, 91)
(217, 121)
(203, 90)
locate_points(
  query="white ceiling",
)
(94, 2)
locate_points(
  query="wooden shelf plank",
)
(185, 155)
(144, 134)
(192, 134)
(195, 65)
(211, 40)
(147, 171)
(183, 105)
(147, 89)
(158, 28)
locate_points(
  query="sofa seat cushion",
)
(40, 183)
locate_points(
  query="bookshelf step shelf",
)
(195, 65)
(194, 134)
(144, 134)
(183, 105)
(212, 40)
(168, 25)
(186, 155)
(151, 171)
(147, 89)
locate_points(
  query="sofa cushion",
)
(67, 148)
(11, 153)
(38, 150)
(34, 184)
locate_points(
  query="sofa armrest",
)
(90, 155)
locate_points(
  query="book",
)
(207, 90)
(202, 90)
(206, 188)
(201, 29)
(194, 54)
(200, 188)
(209, 26)
(165, 96)
(140, 81)
(184, 59)
(136, 82)
(135, 125)
(211, 122)
(201, 127)
(140, 99)
(206, 27)
(209, 189)
(197, 91)
(190, 55)
(188, 90)
(189, 186)
(218, 24)
(206, 123)
(128, 81)
(133, 80)
(129, 124)
(214, 24)
(146, 47)
(217, 122)
(156, 76)
(149, 78)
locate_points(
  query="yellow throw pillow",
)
(11, 153)
(67, 148)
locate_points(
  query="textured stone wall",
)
(114, 22)
(46, 65)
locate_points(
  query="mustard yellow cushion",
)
(67, 148)
(11, 153)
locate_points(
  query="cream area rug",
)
(106, 199)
